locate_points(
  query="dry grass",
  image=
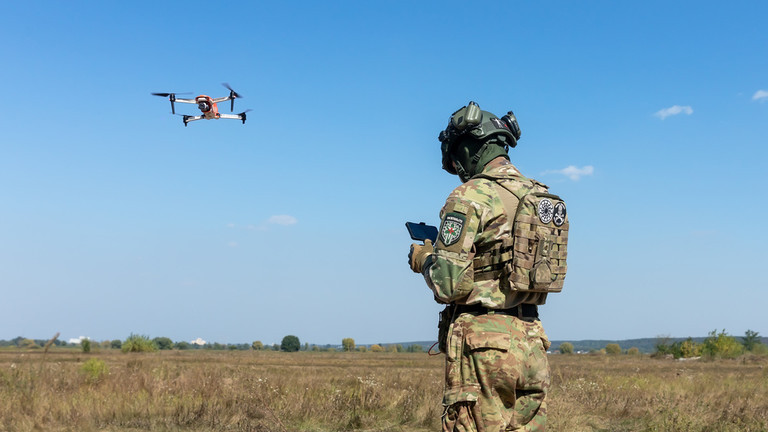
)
(269, 391)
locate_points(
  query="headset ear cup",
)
(511, 122)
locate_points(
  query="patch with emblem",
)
(559, 214)
(452, 227)
(545, 210)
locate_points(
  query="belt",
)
(521, 311)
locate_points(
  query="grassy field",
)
(202, 390)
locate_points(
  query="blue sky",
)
(649, 119)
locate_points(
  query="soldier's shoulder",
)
(478, 190)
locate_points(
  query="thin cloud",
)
(760, 95)
(573, 172)
(674, 110)
(282, 220)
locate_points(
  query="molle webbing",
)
(534, 258)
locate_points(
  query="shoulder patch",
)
(546, 210)
(452, 227)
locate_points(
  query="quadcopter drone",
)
(207, 105)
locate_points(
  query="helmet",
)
(474, 137)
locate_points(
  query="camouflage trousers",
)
(496, 375)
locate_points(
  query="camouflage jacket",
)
(473, 219)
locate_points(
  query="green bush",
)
(182, 345)
(138, 343)
(633, 351)
(566, 348)
(721, 345)
(163, 343)
(348, 344)
(257, 346)
(85, 345)
(290, 344)
(613, 349)
(94, 369)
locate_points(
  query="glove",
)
(419, 254)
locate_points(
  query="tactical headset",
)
(470, 122)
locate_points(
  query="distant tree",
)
(117, 344)
(663, 346)
(633, 351)
(163, 343)
(348, 344)
(138, 343)
(686, 349)
(315, 348)
(85, 345)
(750, 339)
(257, 346)
(721, 345)
(275, 347)
(566, 348)
(415, 348)
(377, 348)
(182, 345)
(290, 343)
(613, 349)
(362, 348)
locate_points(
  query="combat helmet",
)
(474, 137)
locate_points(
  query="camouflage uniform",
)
(496, 375)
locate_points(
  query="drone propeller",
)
(242, 115)
(233, 95)
(185, 117)
(172, 98)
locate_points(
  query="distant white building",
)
(198, 341)
(77, 340)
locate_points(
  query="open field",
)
(202, 390)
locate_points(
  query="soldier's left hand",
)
(419, 254)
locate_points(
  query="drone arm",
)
(222, 99)
(189, 101)
(240, 116)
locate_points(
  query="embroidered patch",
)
(559, 216)
(546, 210)
(452, 227)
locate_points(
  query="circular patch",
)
(559, 217)
(545, 210)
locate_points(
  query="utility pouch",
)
(443, 325)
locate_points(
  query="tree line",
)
(715, 345)
(143, 343)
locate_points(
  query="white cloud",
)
(573, 172)
(674, 110)
(761, 95)
(282, 220)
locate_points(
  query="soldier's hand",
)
(419, 254)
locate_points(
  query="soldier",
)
(500, 250)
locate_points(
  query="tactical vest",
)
(532, 257)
